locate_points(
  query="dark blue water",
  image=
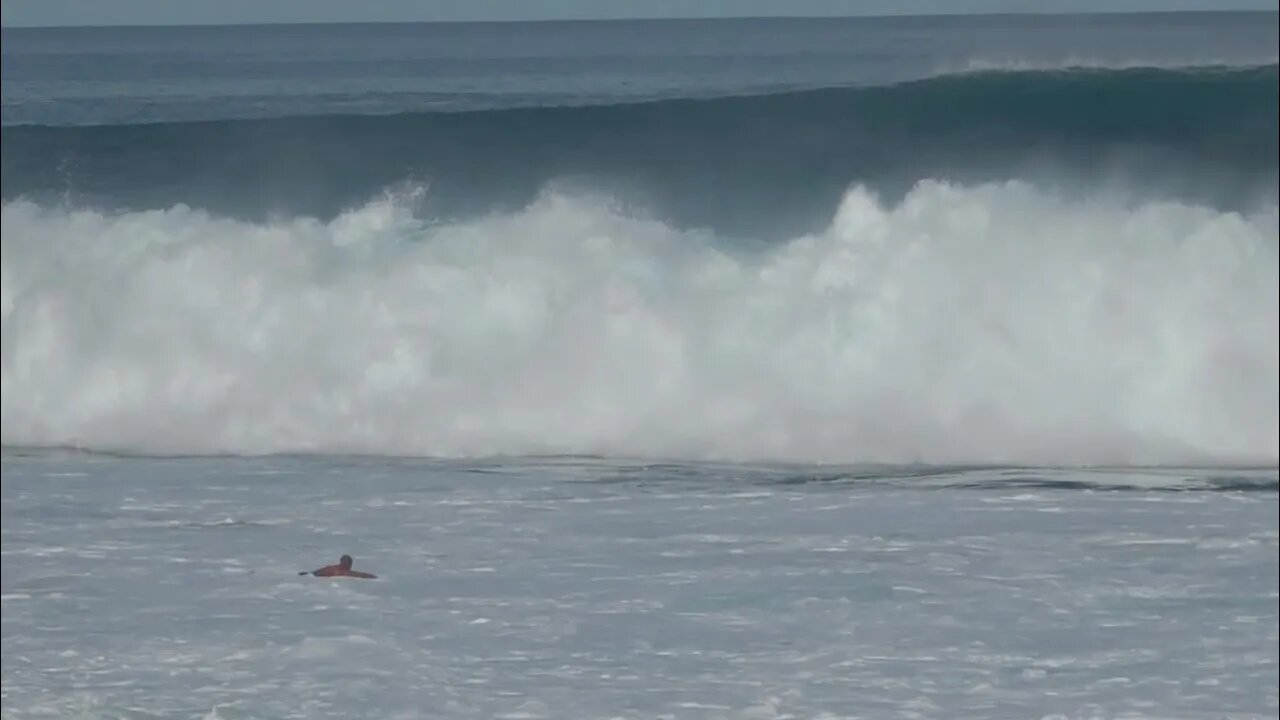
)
(752, 128)
(128, 75)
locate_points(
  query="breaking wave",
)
(990, 323)
(764, 166)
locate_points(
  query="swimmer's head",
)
(345, 562)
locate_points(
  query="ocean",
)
(918, 367)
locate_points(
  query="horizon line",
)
(700, 18)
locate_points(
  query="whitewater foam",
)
(1073, 63)
(992, 323)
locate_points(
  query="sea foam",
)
(994, 323)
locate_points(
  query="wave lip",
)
(995, 323)
(759, 166)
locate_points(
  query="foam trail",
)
(993, 323)
(1083, 62)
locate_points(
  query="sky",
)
(18, 13)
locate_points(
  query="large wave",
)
(764, 166)
(967, 323)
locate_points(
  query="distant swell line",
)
(975, 77)
(1204, 133)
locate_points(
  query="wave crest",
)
(761, 166)
(990, 323)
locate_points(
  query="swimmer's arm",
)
(364, 575)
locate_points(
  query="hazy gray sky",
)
(185, 12)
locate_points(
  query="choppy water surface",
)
(590, 588)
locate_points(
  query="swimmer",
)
(342, 569)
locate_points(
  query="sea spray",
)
(990, 323)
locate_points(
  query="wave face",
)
(981, 323)
(765, 166)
